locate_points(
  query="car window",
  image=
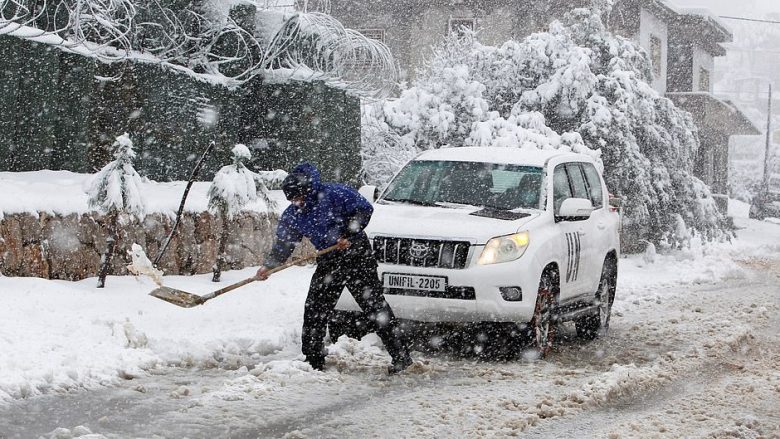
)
(491, 185)
(504, 179)
(417, 182)
(594, 185)
(577, 181)
(561, 187)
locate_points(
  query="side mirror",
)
(575, 209)
(369, 192)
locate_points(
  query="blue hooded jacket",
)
(330, 211)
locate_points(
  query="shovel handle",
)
(271, 271)
(302, 260)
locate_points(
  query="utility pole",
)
(768, 153)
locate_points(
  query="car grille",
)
(421, 252)
(462, 293)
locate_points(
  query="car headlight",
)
(504, 248)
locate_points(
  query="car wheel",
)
(543, 324)
(597, 324)
(349, 323)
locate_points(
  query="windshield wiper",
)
(407, 201)
(488, 206)
(452, 205)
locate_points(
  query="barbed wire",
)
(114, 30)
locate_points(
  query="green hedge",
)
(62, 111)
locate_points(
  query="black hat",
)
(296, 185)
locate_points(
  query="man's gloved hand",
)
(343, 244)
(262, 273)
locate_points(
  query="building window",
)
(459, 25)
(704, 79)
(655, 55)
(374, 34)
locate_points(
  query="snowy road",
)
(692, 361)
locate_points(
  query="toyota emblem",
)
(418, 250)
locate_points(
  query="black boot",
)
(316, 363)
(400, 363)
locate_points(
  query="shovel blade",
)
(177, 297)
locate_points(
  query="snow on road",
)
(693, 351)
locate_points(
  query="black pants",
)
(355, 268)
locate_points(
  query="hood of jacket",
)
(313, 173)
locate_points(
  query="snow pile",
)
(696, 263)
(67, 343)
(76, 336)
(347, 353)
(78, 432)
(268, 379)
(141, 265)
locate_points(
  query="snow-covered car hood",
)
(440, 223)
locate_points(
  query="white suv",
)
(496, 235)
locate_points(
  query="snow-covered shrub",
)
(272, 179)
(117, 187)
(439, 112)
(576, 86)
(641, 134)
(382, 151)
(114, 190)
(234, 186)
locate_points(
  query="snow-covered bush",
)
(576, 86)
(382, 151)
(117, 187)
(272, 179)
(235, 185)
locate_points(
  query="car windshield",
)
(454, 183)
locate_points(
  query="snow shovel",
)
(189, 300)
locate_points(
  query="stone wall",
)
(70, 246)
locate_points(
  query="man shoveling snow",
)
(333, 214)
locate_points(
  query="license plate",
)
(414, 282)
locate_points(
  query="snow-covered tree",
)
(648, 144)
(576, 86)
(234, 186)
(117, 186)
(382, 151)
(114, 190)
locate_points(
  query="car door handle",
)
(601, 226)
